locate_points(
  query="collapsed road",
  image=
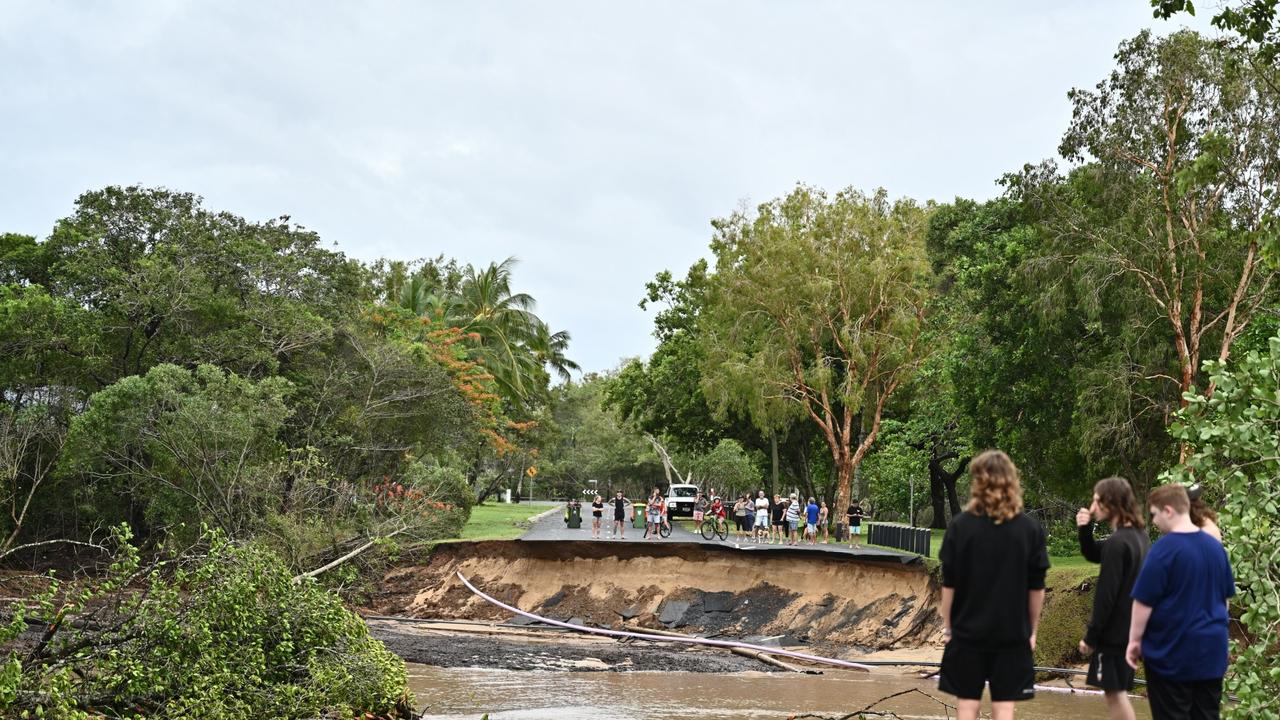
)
(840, 603)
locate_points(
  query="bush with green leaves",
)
(223, 632)
(1235, 432)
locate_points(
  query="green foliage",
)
(589, 442)
(1234, 428)
(226, 633)
(893, 465)
(184, 446)
(815, 314)
(727, 467)
(1255, 21)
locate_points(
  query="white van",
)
(680, 499)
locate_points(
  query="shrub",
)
(224, 633)
(1236, 436)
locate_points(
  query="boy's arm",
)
(1137, 628)
(1035, 602)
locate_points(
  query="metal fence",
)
(902, 537)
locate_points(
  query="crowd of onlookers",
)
(782, 520)
(1162, 604)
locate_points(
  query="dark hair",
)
(1200, 512)
(1116, 495)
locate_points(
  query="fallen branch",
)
(329, 566)
(28, 546)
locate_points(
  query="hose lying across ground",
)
(729, 644)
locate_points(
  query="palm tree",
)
(549, 349)
(503, 321)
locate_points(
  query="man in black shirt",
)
(1121, 556)
(854, 515)
(993, 566)
(620, 504)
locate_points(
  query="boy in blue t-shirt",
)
(1179, 621)
(811, 521)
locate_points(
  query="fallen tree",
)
(218, 630)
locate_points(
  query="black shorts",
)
(619, 516)
(1009, 672)
(1177, 700)
(1109, 671)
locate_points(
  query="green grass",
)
(499, 521)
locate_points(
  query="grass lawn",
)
(499, 521)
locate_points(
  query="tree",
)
(1017, 356)
(816, 309)
(1236, 433)
(181, 447)
(1255, 21)
(218, 631)
(1180, 196)
(590, 443)
(727, 467)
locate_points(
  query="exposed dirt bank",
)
(847, 605)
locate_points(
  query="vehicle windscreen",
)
(684, 492)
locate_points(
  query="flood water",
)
(458, 693)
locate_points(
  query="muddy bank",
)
(836, 602)
(561, 652)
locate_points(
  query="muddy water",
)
(468, 693)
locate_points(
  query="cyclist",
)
(717, 512)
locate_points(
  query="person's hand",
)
(1033, 642)
(1083, 517)
(1133, 654)
(1085, 648)
(946, 635)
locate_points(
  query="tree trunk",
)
(938, 499)
(773, 477)
(941, 481)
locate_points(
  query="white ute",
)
(680, 499)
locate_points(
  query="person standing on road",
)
(854, 515)
(811, 511)
(762, 517)
(993, 566)
(824, 520)
(597, 512)
(620, 505)
(739, 518)
(793, 520)
(1107, 634)
(699, 508)
(779, 520)
(1179, 618)
(653, 513)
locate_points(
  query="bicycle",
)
(714, 526)
(664, 529)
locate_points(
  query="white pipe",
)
(714, 643)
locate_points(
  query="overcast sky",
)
(594, 141)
